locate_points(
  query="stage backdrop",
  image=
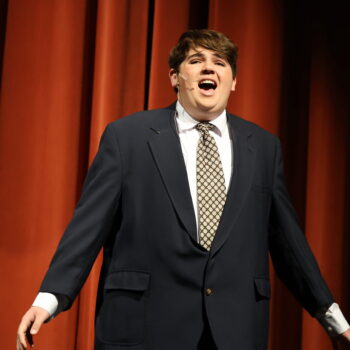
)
(67, 68)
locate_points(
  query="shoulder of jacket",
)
(139, 119)
(252, 127)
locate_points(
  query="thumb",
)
(40, 318)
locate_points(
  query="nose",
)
(208, 67)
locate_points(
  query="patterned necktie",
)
(211, 191)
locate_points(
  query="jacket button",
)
(208, 291)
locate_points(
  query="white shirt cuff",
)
(333, 320)
(46, 301)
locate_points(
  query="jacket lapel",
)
(166, 149)
(241, 180)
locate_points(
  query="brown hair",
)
(208, 39)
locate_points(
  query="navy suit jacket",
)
(153, 291)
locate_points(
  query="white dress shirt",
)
(332, 320)
(189, 137)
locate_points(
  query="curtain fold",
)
(42, 151)
(170, 20)
(68, 68)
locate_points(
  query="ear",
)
(233, 87)
(174, 79)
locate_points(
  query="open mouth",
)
(207, 84)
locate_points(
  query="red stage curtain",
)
(67, 68)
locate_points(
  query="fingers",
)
(19, 345)
(25, 324)
(30, 325)
(40, 317)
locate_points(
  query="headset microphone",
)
(183, 77)
(186, 79)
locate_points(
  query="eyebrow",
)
(200, 55)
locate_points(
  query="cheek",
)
(227, 88)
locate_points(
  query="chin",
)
(208, 107)
(207, 113)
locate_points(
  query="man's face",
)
(204, 83)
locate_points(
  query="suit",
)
(158, 286)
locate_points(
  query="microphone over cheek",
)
(183, 77)
(188, 81)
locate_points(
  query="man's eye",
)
(221, 63)
(194, 61)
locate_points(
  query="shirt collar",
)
(186, 122)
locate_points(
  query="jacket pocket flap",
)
(128, 280)
(262, 287)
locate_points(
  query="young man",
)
(188, 202)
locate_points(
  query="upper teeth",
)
(207, 82)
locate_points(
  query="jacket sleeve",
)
(91, 223)
(291, 255)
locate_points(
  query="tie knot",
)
(204, 127)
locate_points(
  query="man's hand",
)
(344, 339)
(30, 325)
